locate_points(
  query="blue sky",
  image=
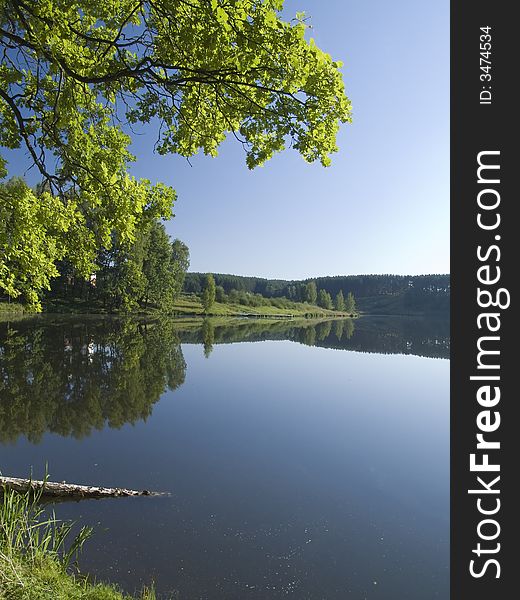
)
(382, 207)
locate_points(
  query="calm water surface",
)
(304, 461)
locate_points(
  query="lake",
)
(305, 460)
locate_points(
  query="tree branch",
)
(23, 132)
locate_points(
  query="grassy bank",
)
(36, 551)
(190, 305)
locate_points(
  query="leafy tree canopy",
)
(204, 68)
(324, 299)
(150, 271)
(350, 303)
(77, 75)
(311, 292)
(28, 249)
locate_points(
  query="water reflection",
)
(294, 472)
(382, 335)
(208, 336)
(69, 377)
(72, 375)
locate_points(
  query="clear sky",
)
(382, 207)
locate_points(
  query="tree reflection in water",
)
(69, 377)
(72, 375)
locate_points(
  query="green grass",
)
(36, 551)
(190, 305)
(44, 579)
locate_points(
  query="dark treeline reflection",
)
(385, 335)
(72, 376)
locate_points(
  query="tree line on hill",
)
(209, 293)
(425, 293)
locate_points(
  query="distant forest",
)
(393, 294)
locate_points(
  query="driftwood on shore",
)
(68, 490)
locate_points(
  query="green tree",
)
(311, 292)
(78, 76)
(350, 303)
(122, 283)
(324, 299)
(164, 266)
(220, 294)
(120, 280)
(32, 238)
(156, 265)
(180, 262)
(208, 295)
(339, 303)
(148, 271)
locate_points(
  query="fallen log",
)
(68, 490)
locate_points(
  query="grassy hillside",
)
(190, 305)
(375, 294)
